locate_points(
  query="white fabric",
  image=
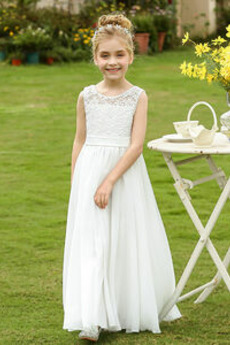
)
(117, 270)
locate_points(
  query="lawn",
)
(37, 114)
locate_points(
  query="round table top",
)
(163, 145)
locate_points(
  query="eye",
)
(120, 54)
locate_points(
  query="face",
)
(112, 58)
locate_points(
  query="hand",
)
(102, 194)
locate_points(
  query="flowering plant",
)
(82, 37)
(32, 39)
(162, 17)
(216, 64)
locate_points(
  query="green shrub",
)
(32, 39)
(142, 23)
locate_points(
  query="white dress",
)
(117, 270)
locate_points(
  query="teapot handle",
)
(210, 107)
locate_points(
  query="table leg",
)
(220, 180)
(216, 281)
(204, 234)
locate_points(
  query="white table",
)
(182, 186)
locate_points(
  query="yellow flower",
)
(11, 33)
(76, 39)
(218, 41)
(201, 49)
(202, 73)
(189, 69)
(186, 38)
(85, 41)
(225, 72)
(209, 78)
(85, 36)
(17, 27)
(228, 31)
(216, 62)
(5, 28)
(196, 70)
(183, 68)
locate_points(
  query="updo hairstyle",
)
(112, 30)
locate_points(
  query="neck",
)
(114, 84)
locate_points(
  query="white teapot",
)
(200, 135)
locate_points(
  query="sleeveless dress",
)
(117, 270)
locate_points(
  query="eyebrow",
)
(121, 50)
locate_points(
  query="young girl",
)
(118, 272)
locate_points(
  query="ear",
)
(131, 60)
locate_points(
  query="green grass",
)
(37, 127)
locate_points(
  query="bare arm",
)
(130, 156)
(80, 135)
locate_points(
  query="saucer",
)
(177, 138)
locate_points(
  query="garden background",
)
(37, 127)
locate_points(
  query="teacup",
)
(182, 127)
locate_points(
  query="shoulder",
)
(142, 95)
(141, 91)
(84, 93)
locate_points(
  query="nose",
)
(112, 60)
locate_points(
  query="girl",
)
(118, 272)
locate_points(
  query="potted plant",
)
(32, 41)
(16, 57)
(3, 43)
(162, 20)
(143, 26)
(49, 56)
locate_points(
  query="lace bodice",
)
(110, 116)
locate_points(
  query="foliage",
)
(67, 30)
(216, 64)
(11, 20)
(17, 54)
(142, 23)
(163, 17)
(223, 16)
(91, 10)
(58, 23)
(32, 39)
(162, 23)
(82, 38)
(3, 43)
(67, 54)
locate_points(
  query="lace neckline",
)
(120, 94)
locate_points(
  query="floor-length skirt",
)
(117, 270)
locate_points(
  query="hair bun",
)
(114, 19)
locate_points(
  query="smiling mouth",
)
(112, 69)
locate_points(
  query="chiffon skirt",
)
(117, 269)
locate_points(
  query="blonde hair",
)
(116, 21)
